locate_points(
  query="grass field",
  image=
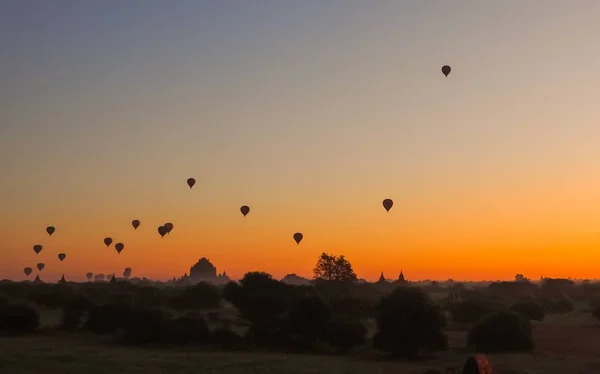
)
(565, 344)
(82, 355)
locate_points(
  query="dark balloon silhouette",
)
(50, 230)
(89, 276)
(127, 273)
(388, 204)
(446, 70)
(41, 266)
(62, 256)
(245, 209)
(162, 231)
(119, 247)
(298, 237)
(107, 241)
(135, 223)
(168, 227)
(27, 271)
(37, 248)
(191, 182)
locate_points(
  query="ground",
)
(566, 344)
(82, 355)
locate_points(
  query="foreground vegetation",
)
(262, 325)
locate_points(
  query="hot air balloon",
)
(119, 247)
(61, 256)
(89, 276)
(50, 230)
(37, 248)
(191, 182)
(162, 231)
(135, 223)
(169, 227)
(41, 266)
(446, 70)
(127, 273)
(245, 209)
(107, 241)
(298, 237)
(27, 271)
(388, 204)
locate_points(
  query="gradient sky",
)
(310, 112)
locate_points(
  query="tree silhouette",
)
(334, 268)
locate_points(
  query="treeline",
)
(262, 313)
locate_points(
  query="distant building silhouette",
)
(401, 280)
(204, 271)
(295, 279)
(381, 278)
(62, 279)
(37, 279)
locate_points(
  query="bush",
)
(213, 316)
(73, 313)
(353, 307)
(200, 296)
(19, 319)
(109, 318)
(226, 339)
(191, 328)
(529, 309)
(305, 321)
(596, 313)
(503, 331)
(344, 333)
(471, 311)
(148, 326)
(408, 321)
(48, 296)
(563, 306)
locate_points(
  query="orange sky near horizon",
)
(311, 113)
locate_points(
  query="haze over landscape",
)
(311, 113)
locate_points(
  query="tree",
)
(502, 331)
(407, 321)
(334, 268)
(529, 309)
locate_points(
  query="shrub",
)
(503, 331)
(596, 313)
(353, 307)
(471, 311)
(19, 319)
(191, 328)
(226, 339)
(200, 296)
(529, 309)
(73, 313)
(408, 321)
(262, 301)
(48, 296)
(213, 316)
(563, 306)
(305, 321)
(109, 318)
(148, 326)
(344, 333)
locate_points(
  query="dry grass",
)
(80, 354)
(565, 344)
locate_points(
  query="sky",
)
(311, 113)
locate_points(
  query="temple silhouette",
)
(204, 271)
